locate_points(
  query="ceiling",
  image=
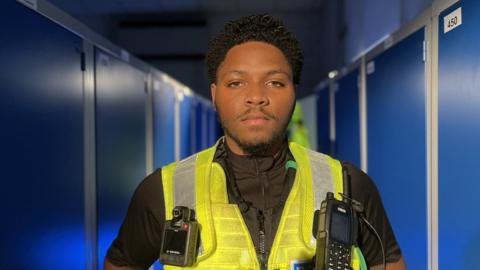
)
(80, 7)
(136, 26)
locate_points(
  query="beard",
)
(258, 146)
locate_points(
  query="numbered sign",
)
(452, 20)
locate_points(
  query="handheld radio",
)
(336, 231)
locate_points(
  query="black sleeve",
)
(138, 241)
(365, 192)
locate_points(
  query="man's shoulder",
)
(151, 188)
(353, 169)
(362, 185)
(154, 176)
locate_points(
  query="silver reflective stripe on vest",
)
(184, 187)
(322, 176)
(184, 183)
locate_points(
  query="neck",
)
(263, 150)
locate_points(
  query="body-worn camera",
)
(180, 238)
(337, 228)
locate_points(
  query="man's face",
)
(254, 96)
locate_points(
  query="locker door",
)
(164, 124)
(218, 131)
(323, 121)
(347, 121)
(458, 138)
(41, 142)
(185, 127)
(199, 126)
(396, 129)
(214, 129)
(205, 128)
(121, 154)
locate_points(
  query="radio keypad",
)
(339, 256)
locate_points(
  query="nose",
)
(256, 96)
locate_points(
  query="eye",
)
(234, 84)
(276, 84)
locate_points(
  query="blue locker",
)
(164, 125)
(199, 126)
(214, 128)
(41, 141)
(217, 126)
(120, 139)
(396, 129)
(193, 125)
(186, 127)
(323, 121)
(347, 120)
(458, 139)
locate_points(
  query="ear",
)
(213, 89)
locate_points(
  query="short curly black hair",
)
(262, 27)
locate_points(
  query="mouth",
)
(255, 119)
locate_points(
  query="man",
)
(252, 191)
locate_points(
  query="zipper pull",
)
(262, 254)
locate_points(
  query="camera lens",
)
(176, 213)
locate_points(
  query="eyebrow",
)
(278, 71)
(235, 71)
(271, 72)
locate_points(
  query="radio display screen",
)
(340, 226)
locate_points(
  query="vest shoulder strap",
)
(325, 172)
(185, 184)
(180, 179)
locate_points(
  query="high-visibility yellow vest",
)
(200, 184)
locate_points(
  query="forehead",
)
(254, 56)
